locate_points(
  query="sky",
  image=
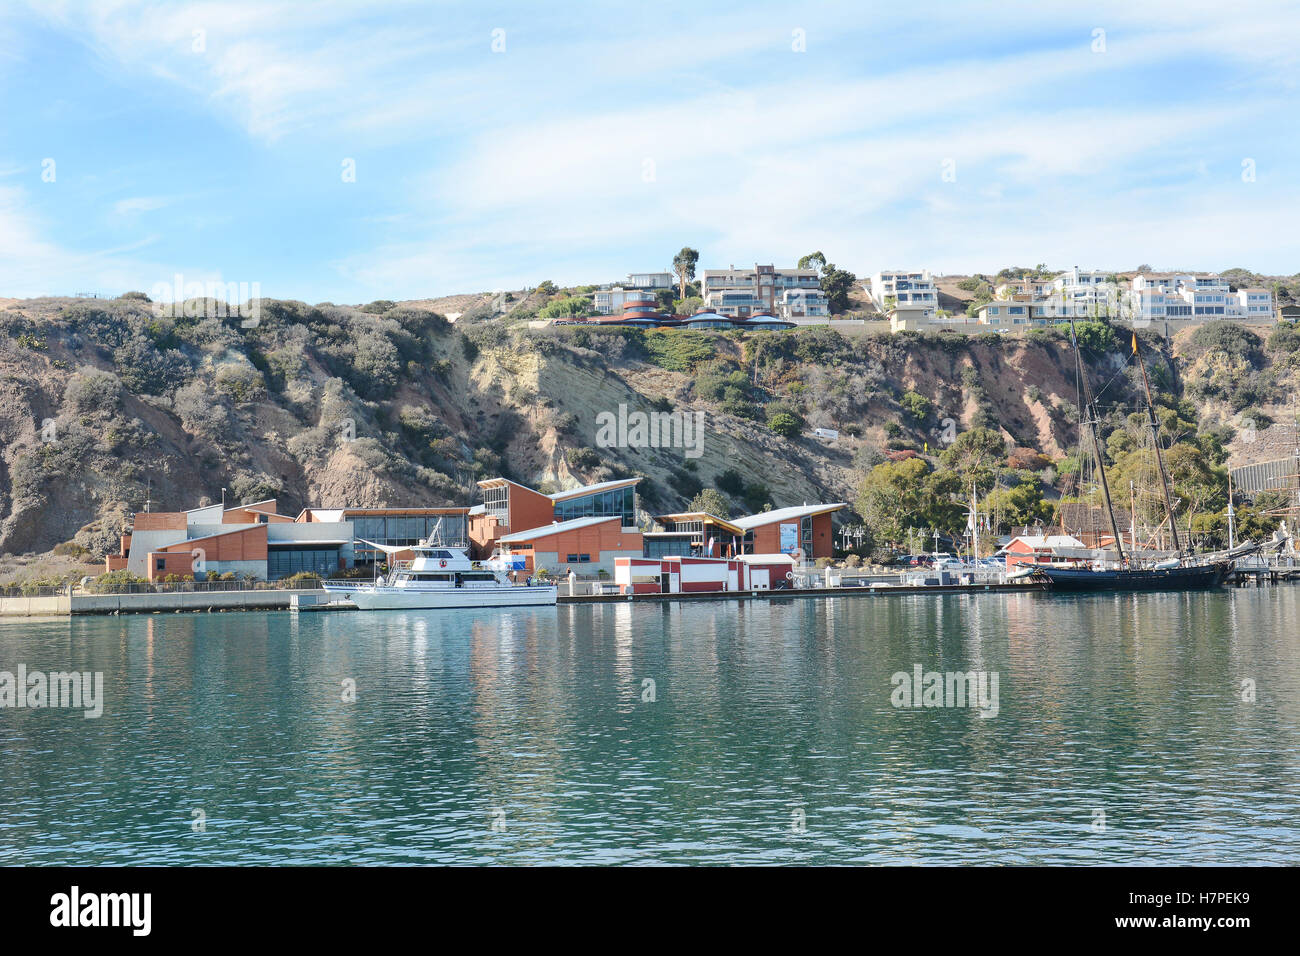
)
(350, 151)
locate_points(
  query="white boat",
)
(440, 577)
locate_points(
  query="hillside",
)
(104, 404)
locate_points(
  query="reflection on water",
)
(528, 736)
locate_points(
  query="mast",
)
(1090, 419)
(1155, 442)
(1132, 519)
(1232, 531)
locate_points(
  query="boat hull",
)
(370, 598)
(1158, 579)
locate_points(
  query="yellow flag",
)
(1135, 343)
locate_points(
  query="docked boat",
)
(1181, 578)
(1184, 572)
(440, 577)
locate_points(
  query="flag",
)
(1135, 343)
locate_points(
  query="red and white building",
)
(1045, 549)
(677, 574)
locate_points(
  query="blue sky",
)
(209, 139)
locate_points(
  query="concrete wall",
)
(142, 542)
(34, 606)
(182, 601)
(308, 531)
(61, 605)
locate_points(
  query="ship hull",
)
(371, 598)
(1193, 578)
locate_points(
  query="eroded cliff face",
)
(103, 405)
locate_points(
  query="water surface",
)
(530, 736)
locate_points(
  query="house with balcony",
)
(907, 292)
(740, 293)
(804, 304)
(1192, 297)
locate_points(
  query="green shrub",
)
(785, 424)
(678, 350)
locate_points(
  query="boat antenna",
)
(1090, 419)
(1155, 442)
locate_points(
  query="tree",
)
(684, 268)
(711, 501)
(975, 456)
(814, 260)
(1018, 506)
(915, 404)
(898, 495)
(837, 284)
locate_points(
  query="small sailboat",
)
(1182, 573)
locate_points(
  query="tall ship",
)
(440, 577)
(1129, 572)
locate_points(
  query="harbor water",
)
(1113, 729)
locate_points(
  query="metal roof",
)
(593, 489)
(556, 527)
(784, 514)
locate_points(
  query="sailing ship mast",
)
(1090, 419)
(1155, 442)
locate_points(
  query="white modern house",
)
(1188, 297)
(804, 304)
(650, 281)
(742, 292)
(610, 299)
(1076, 293)
(909, 291)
